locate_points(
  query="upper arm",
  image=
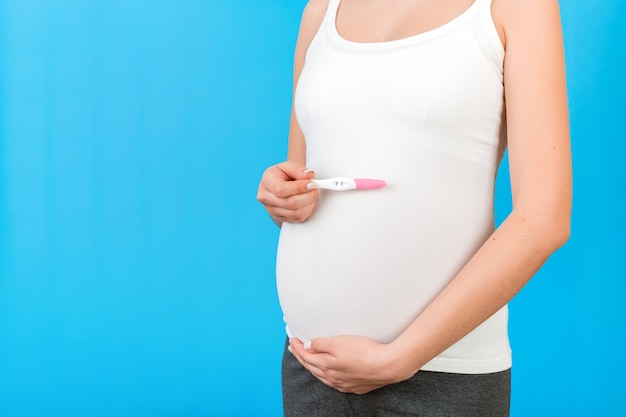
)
(312, 17)
(536, 103)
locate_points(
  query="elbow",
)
(557, 235)
(554, 231)
(545, 218)
(552, 235)
(549, 232)
(560, 221)
(561, 233)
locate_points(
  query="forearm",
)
(502, 266)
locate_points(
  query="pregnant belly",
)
(367, 263)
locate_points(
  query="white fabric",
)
(424, 113)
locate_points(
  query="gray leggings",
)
(426, 394)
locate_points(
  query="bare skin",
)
(540, 168)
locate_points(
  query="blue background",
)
(136, 267)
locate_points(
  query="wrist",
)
(403, 361)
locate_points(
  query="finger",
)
(299, 349)
(291, 202)
(295, 209)
(288, 188)
(317, 372)
(277, 185)
(324, 373)
(295, 170)
(321, 345)
(293, 216)
(322, 361)
(294, 342)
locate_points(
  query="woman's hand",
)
(353, 364)
(284, 193)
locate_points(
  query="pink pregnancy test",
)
(344, 184)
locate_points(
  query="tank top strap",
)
(331, 12)
(484, 4)
(484, 7)
(489, 30)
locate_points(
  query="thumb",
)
(295, 170)
(320, 345)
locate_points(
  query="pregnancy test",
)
(344, 184)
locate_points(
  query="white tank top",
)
(424, 113)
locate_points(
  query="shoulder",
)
(519, 18)
(315, 9)
(312, 18)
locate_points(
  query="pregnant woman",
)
(395, 298)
